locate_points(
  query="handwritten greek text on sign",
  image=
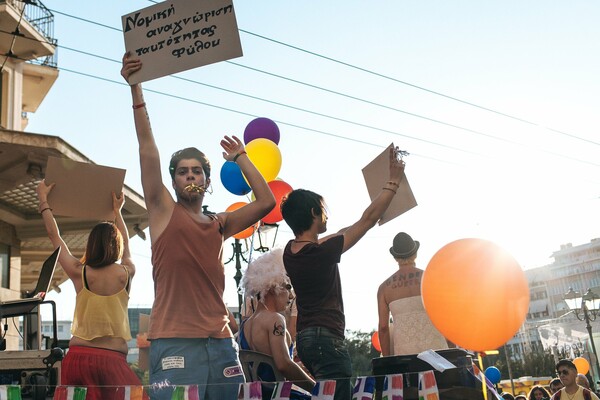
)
(178, 35)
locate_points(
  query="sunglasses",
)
(562, 372)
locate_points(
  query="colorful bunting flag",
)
(393, 387)
(364, 388)
(70, 393)
(427, 386)
(130, 393)
(282, 391)
(250, 391)
(476, 372)
(10, 392)
(323, 390)
(185, 392)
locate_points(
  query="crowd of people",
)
(193, 336)
(569, 384)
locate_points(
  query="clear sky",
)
(496, 101)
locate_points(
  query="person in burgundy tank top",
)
(191, 342)
(312, 265)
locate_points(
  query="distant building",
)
(29, 70)
(550, 325)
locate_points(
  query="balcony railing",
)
(42, 19)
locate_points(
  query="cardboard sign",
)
(376, 175)
(83, 190)
(178, 35)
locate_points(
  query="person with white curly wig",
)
(265, 330)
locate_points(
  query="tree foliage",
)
(361, 352)
(540, 363)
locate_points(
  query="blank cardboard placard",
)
(376, 175)
(174, 36)
(83, 190)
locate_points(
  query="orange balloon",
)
(583, 366)
(475, 293)
(280, 189)
(246, 233)
(375, 341)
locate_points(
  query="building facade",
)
(28, 70)
(550, 324)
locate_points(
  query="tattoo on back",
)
(278, 330)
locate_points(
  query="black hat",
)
(404, 246)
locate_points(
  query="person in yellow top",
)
(97, 356)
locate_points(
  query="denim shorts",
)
(212, 364)
(326, 356)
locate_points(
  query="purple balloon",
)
(261, 128)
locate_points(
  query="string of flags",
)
(364, 388)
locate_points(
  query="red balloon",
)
(280, 189)
(246, 233)
(375, 341)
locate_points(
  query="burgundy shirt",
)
(316, 279)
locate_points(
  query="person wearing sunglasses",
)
(265, 331)
(567, 373)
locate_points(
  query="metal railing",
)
(40, 17)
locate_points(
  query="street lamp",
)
(263, 231)
(586, 309)
(238, 256)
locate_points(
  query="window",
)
(4, 265)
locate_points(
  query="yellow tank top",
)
(98, 316)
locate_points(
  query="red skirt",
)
(104, 372)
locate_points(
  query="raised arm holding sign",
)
(190, 340)
(175, 36)
(312, 265)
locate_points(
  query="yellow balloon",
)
(265, 156)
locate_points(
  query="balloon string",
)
(483, 377)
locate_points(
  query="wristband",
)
(238, 154)
(47, 208)
(390, 189)
(136, 106)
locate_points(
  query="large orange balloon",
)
(246, 233)
(375, 341)
(280, 189)
(583, 366)
(475, 293)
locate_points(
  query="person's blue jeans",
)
(212, 364)
(326, 356)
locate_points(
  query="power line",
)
(419, 87)
(292, 107)
(357, 123)
(337, 118)
(477, 132)
(248, 114)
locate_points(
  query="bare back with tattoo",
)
(406, 282)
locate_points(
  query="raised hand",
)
(232, 146)
(130, 66)
(118, 201)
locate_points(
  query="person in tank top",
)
(97, 356)
(190, 338)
